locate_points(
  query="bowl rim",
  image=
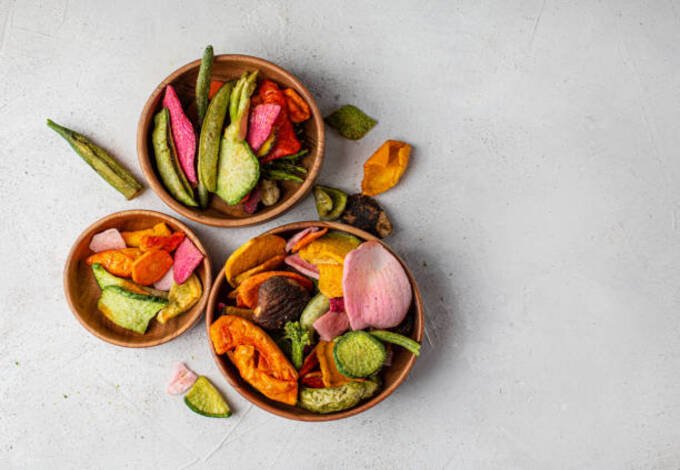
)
(144, 156)
(260, 401)
(72, 262)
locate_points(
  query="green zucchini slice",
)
(203, 398)
(358, 354)
(129, 310)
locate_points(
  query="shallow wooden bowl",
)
(229, 67)
(392, 376)
(82, 291)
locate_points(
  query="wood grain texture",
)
(229, 67)
(82, 291)
(392, 376)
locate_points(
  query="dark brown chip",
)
(365, 213)
(280, 300)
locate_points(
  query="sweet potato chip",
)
(252, 253)
(271, 263)
(151, 267)
(385, 167)
(117, 262)
(330, 375)
(298, 109)
(135, 238)
(309, 238)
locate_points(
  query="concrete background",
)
(540, 215)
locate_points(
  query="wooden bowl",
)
(229, 67)
(392, 376)
(82, 291)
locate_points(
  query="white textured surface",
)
(540, 215)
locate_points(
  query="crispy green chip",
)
(351, 122)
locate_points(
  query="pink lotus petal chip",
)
(165, 283)
(182, 379)
(331, 324)
(377, 291)
(182, 133)
(187, 258)
(308, 269)
(262, 119)
(250, 206)
(299, 236)
(110, 239)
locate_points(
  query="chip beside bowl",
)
(392, 376)
(82, 291)
(228, 67)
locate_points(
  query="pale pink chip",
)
(182, 133)
(299, 236)
(187, 258)
(165, 283)
(262, 118)
(377, 291)
(308, 269)
(110, 239)
(331, 324)
(182, 379)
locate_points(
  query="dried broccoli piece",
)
(299, 338)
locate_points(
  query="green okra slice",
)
(211, 134)
(100, 160)
(166, 160)
(281, 175)
(203, 195)
(203, 83)
(330, 202)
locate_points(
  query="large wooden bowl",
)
(229, 67)
(392, 376)
(82, 291)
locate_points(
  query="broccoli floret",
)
(299, 338)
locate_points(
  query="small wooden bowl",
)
(392, 376)
(229, 67)
(82, 291)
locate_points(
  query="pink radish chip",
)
(182, 133)
(187, 258)
(182, 379)
(331, 324)
(308, 269)
(299, 236)
(166, 281)
(337, 304)
(262, 119)
(377, 291)
(110, 239)
(250, 206)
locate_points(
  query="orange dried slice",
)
(307, 239)
(385, 167)
(251, 254)
(135, 238)
(268, 265)
(330, 280)
(329, 249)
